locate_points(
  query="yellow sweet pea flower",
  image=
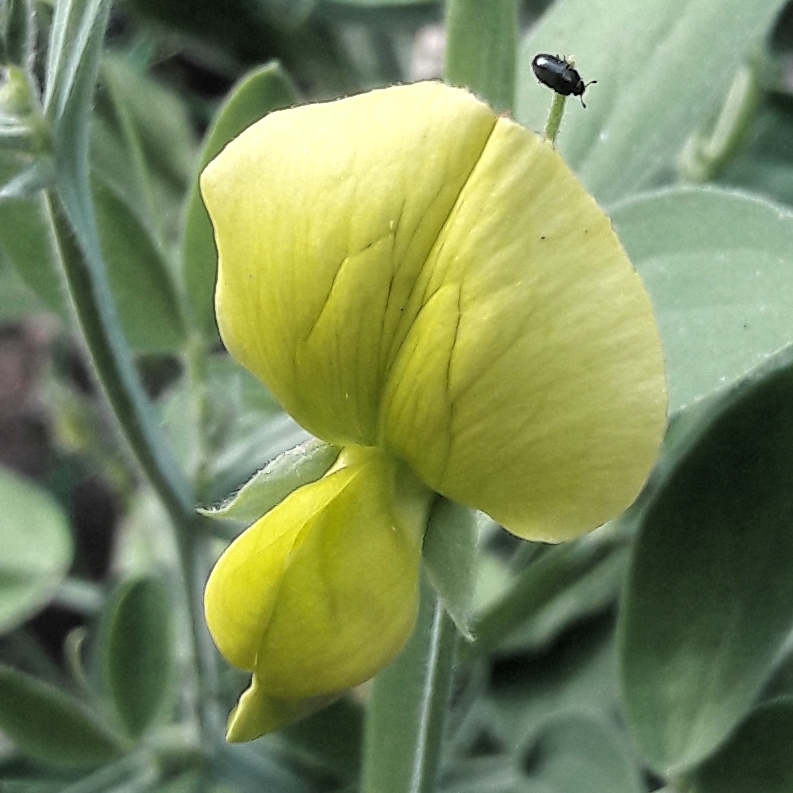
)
(426, 284)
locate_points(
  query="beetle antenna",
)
(581, 95)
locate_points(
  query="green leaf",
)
(717, 265)
(577, 753)
(331, 737)
(708, 606)
(139, 652)
(757, 758)
(266, 89)
(577, 673)
(26, 242)
(37, 549)
(145, 297)
(136, 266)
(229, 431)
(152, 124)
(594, 591)
(450, 548)
(134, 773)
(557, 571)
(781, 684)
(670, 67)
(17, 299)
(290, 470)
(481, 48)
(20, 31)
(381, 3)
(51, 727)
(765, 163)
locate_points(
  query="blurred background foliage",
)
(653, 653)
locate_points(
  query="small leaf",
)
(450, 546)
(576, 753)
(708, 605)
(26, 243)
(717, 265)
(290, 470)
(155, 121)
(139, 652)
(51, 727)
(242, 430)
(17, 300)
(757, 757)
(37, 549)
(593, 591)
(136, 270)
(331, 737)
(266, 89)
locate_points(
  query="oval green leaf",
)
(671, 63)
(37, 549)
(708, 605)
(145, 297)
(757, 758)
(577, 753)
(26, 243)
(717, 265)
(139, 652)
(51, 727)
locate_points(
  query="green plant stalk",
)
(481, 48)
(72, 73)
(407, 712)
(555, 118)
(112, 361)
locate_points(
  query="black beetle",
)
(558, 73)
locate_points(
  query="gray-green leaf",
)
(708, 606)
(37, 549)
(51, 727)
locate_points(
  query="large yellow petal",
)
(321, 593)
(532, 383)
(406, 269)
(324, 217)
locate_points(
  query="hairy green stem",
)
(554, 118)
(407, 713)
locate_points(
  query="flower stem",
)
(407, 712)
(554, 118)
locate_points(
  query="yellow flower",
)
(427, 285)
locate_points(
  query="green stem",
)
(93, 303)
(481, 48)
(554, 118)
(72, 66)
(84, 597)
(407, 712)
